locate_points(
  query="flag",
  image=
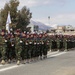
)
(8, 22)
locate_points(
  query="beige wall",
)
(64, 33)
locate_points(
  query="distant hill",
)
(42, 26)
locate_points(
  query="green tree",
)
(23, 18)
(20, 18)
(4, 15)
(47, 31)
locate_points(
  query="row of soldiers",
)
(62, 42)
(29, 47)
(23, 46)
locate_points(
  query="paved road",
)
(58, 63)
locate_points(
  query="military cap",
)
(31, 35)
(18, 30)
(65, 36)
(9, 34)
(40, 35)
(34, 34)
(58, 36)
(45, 34)
(3, 30)
(27, 35)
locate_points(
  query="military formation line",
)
(29, 47)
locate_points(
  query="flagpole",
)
(50, 40)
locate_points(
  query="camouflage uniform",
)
(12, 40)
(3, 47)
(26, 55)
(24, 48)
(8, 49)
(35, 47)
(32, 44)
(30, 50)
(65, 43)
(54, 43)
(46, 45)
(18, 47)
(41, 46)
(58, 42)
(27, 48)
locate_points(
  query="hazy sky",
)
(61, 12)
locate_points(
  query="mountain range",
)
(42, 26)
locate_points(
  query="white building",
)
(67, 30)
(60, 29)
(34, 28)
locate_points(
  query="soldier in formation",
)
(3, 46)
(28, 47)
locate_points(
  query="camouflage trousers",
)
(18, 51)
(3, 52)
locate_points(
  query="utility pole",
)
(49, 19)
(50, 39)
